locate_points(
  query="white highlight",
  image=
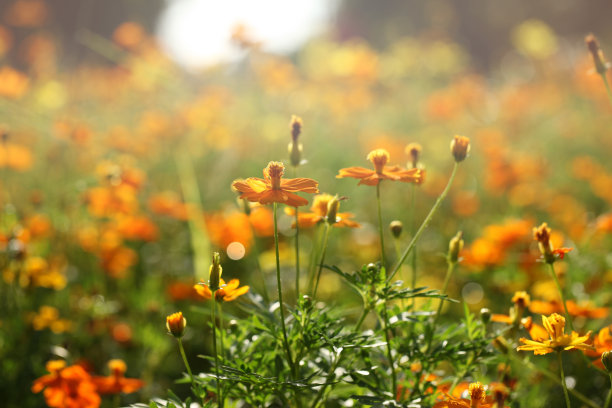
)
(196, 33)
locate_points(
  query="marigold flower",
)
(582, 309)
(226, 292)
(319, 213)
(116, 383)
(558, 340)
(176, 323)
(379, 159)
(67, 387)
(274, 189)
(478, 399)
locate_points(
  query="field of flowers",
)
(378, 227)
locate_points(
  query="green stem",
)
(280, 294)
(449, 273)
(182, 351)
(567, 400)
(413, 281)
(380, 227)
(554, 378)
(607, 84)
(214, 327)
(366, 310)
(425, 223)
(256, 253)
(322, 260)
(297, 257)
(318, 237)
(221, 333)
(389, 354)
(609, 397)
(117, 401)
(556, 279)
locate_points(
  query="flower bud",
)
(414, 151)
(485, 315)
(176, 323)
(606, 359)
(215, 272)
(295, 148)
(542, 235)
(332, 210)
(596, 54)
(396, 227)
(454, 247)
(460, 147)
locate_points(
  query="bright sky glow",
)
(196, 33)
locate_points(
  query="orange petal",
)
(305, 185)
(355, 172)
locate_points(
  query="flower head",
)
(380, 158)
(67, 386)
(550, 254)
(460, 147)
(116, 383)
(558, 340)
(320, 212)
(274, 189)
(176, 323)
(226, 292)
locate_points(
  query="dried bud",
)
(454, 247)
(485, 315)
(596, 54)
(460, 147)
(176, 323)
(542, 235)
(396, 227)
(606, 359)
(414, 151)
(215, 272)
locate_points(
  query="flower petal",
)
(305, 185)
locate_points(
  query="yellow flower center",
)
(477, 392)
(274, 171)
(379, 159)
(117, 367)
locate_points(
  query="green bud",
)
(215, 272)
(454, 247)
(396, 228)
(485, 315)
(606, 359)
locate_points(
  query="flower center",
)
(274, 171)
(319, 204)
(379, 158)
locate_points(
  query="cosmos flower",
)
(379, 159)
(558, 340)
(116, 383)
(226, 292)
(274, 189)
(318, 214)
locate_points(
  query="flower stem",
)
(567, 400)
(609, 397)
(449, 273)
(556, 279)
(221, 332)
(412, 231)
(380, 227)
(389, 354)
(366, 310)
(214, 327)
(322, 260)
(280, 294)
(182, 351)
(297, 257)
(607, 84)
(425, 223)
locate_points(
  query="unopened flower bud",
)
(414, 151)
(215, 272)
(485, 315)
(455, 247)
(296, 127)
(596, 54)
(332, 210)
(606, 360)
(176, 323)
(460, 147)
(295, 147)
(542, 235)
(396, 227)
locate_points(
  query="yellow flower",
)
(176, 323)
(558, 340)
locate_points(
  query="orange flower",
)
(379, 159)
(67, 387)
(226, 292)
(558, 340)
(176, 323)
(116, 383)
(478, 399)
(586, 309)
(319, 208)
(274, 189)
(601, 343)
(542, 235)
